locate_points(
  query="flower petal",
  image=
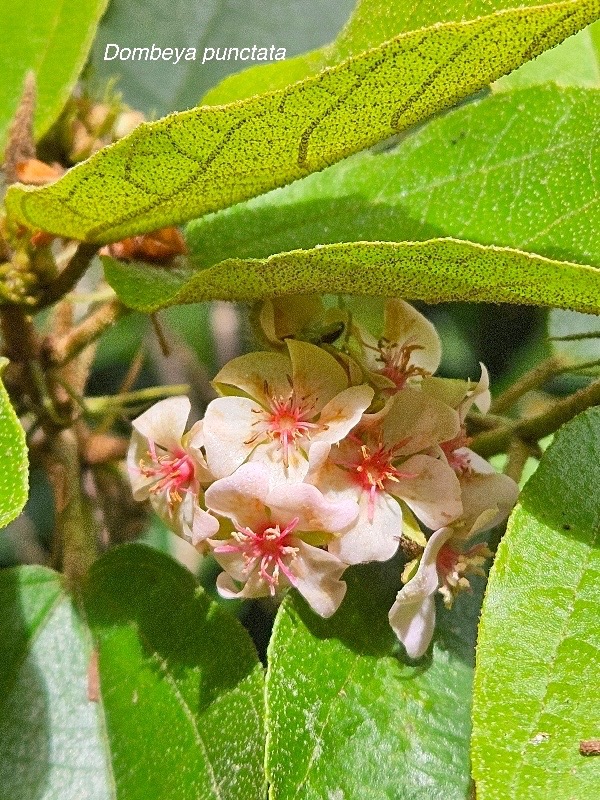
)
(178, 516)
(253, 587)
(137, 453)
(260, 375)
(317, 577)
(316, 374)
(342, 413)
(413, 623)
(404, 325)
(376, 533)
(485, 491)
(204, 525)
(192, 442)
(164, 423)
(241, 497)
(433, 493)
(412, 616)
(477, 395)
(282, 317)
(313, 510)
(228, 432)
(419, 418)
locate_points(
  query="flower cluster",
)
(316, 457)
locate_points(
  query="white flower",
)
(464, 396)
(487, 498)
(412, 616)
(381, 462)
(408, 350)
(267, 550)
(288, 403)
(166, 465)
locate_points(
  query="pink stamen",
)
(447, 560)
(173, 473)
(287, 420)
(269, 549)
(373, 467)
(396, 362)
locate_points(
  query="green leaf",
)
(476, 173)
(181, 689)
(576, 62)
(209, 158)
(180, 680)
(538, 658)
(578, 350)
(52, 38)
(348, 718)
(159, 86)
(14, 470)
(51, 736)
(436, 271)
(373, 22)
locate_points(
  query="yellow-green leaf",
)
(475, 173)
(212, 157)
(373, 22)
(14, 484)
(436, 271)
(576, 62)
(52, 38)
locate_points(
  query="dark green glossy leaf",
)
(435, 271)
(52, 744)
(180, 681)
(476, 173)
(179, 710)
(538, 656)
(348, 718)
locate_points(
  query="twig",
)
(518, 453)
(533, 379)
(100, 405)
(74, 544)
(535, 428)
(575, 337)
(88, 331)
(160, 335)
(70, 275)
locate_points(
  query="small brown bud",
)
(37, 173)
(589, 747)
(159, 246)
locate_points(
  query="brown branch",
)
(74, 543)
(70, 275)
(533, 379)
(87, 332)
(535, 428)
